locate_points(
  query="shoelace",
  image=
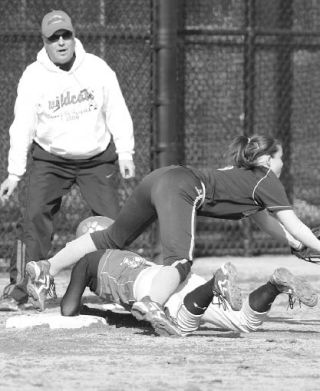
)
(221, 301)
(292, 300)
(169, 317)
(52, 289)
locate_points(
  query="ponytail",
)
(245, 152)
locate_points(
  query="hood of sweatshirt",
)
(44, 60)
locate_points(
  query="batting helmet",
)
(92, 224)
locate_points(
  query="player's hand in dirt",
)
(7, 188)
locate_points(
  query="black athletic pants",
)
(49, 179)
(169, 194)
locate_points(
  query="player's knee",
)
(183, 267)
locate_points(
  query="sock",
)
(187, 321)
(198, 300)
(261, 299)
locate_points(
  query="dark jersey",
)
(234, 193)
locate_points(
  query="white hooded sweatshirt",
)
(69, 114)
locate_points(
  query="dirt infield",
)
(125, 355)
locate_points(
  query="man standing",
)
(71, 114)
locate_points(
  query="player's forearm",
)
(278, 231)
(294, 243)
(306, 236)
(275, 229)
(71, 253)
(298, 229)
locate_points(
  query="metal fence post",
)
(249, 67)
(168, 147)
(284, 87)
(248, 97)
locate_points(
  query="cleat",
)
(38, 294)
(152, 312)
(9, 304)
(164, 325)
(295, 287)
(141, 309)
(36, 304)
(226, 288)
(40, 283)
(38, 271)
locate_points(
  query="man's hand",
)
(127, 168)
(7, 188)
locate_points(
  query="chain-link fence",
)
(244, 66)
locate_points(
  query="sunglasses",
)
(65, 36)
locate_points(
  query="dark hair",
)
(245, 151)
